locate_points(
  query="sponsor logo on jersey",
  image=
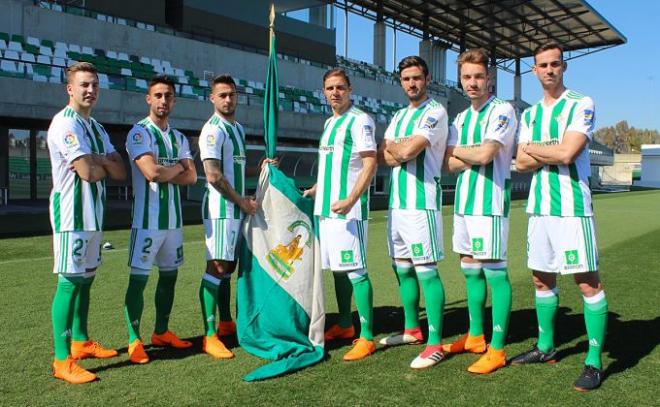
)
(478, 246)
(572, 260)
(430, 123)
(588, 117)
(137, 138)
(326, 149)
(70, 140)
(167, 162)
(502, 122)
(210, 140)
(417, 250)
(347, 258)
(240, 159)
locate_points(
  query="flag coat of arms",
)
(280, 301)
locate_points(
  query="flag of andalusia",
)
(280, 286)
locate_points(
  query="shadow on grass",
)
(166, 353)
(627, 342)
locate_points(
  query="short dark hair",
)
(81, 67)
(336, 72)
(413, 60)
(477, 56)
(223, 78)
(548, 46)
(158, 79)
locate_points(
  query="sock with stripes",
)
(81, 309)
(344, 293)
(475, 287)
(164, 299)
(547, 303)
(224, 298)
(409, 291)
(62, 314)
(134, 303)
(208, 294)
(364, 299)
(595, 318)
(434, 297)
(498, 279)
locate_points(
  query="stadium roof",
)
(508, 29)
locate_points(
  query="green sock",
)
(475, 286)
(164, 299)
(434, 297)
(546, 310)
(208, 293)
(409, 292)
(498, 278)
(134, 303)
(81, 310)
(62, 314)
(344, 293)
(364, 301)
(595, 318)
(224, 298)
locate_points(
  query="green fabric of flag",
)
(271, 102)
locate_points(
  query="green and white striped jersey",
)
(75, 204)
(485, 190)
(415, 184)
(223, 141)
(560, 190)
(344, 138)
(156, 206)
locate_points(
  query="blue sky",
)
(623, 81)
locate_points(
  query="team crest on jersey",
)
(210, 140)
(588, 117)
(368, 132)
(137, 138)
(430, 123)
(70, 140)
(502, 122)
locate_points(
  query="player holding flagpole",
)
(480, 148)
(160, 163)
(81, 157)
(561, 236)
(414, 147)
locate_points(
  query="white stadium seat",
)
(8, 66)
(126, 72)
(122, 56)
(11, 54)
(45, 51)
(145, 60)
(187, 90)
(111, 54)
(27, 57)
(75, 48)
(60, 53)
(141, 83)
(33, 41)
(87, 51)
(3, 44)
(121, 21)
(15, 46)
(61, 45)
(182, 80)
(59, 61)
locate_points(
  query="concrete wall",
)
(42, 100)
(650, 166)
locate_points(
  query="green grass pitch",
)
(628, 231)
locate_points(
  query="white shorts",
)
(415, 234)
(343, 243)
(76, 252)
(222, 237)
(162, 248)
(482, 237)
(563, 245)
